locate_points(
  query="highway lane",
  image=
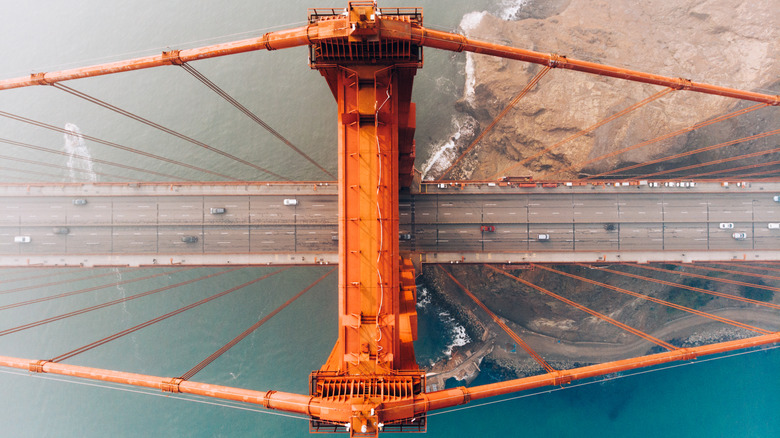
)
(574, 221)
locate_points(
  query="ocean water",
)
(728, 397)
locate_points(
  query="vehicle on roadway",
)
(726, 225)
(773, 226)
(776, 198)
(405, 236)
(189, 239)
(218, 210)
(60, 230)
(22, 239)
(488, 228)
(79, 202)
(739, 236)
(543, 237)
(290, 202)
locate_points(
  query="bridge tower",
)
(369, 61)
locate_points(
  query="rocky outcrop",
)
(720, 42)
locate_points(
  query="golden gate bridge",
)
(371, 381)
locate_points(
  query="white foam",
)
(79, 159)
(446, 153)
(510, 8)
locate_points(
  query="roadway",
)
(577, 220)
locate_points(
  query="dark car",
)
(189, 239)
(61, 230)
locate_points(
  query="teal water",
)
(736, 396)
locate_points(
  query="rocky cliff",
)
(723, 42)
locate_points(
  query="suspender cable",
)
(659, 301)
(587, 130)
(685, 154)
(94, 160)
(89, 289)
(664, 137)
(33, 172)
(713, 162)
(204, 363)
(737, 169)
(127, 331)
(203, 79)
(113, 145)
(691, 288)
(601, 316)
(730, 271)
(539, 359)
(110, 303)
(57, 166)
(705, 277)
(503, 113)
(147, 122)
(57, 283)
(49, 273)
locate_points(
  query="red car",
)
(488, 228)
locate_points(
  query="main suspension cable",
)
(587, 130)
(60, 282)
(205, 362)
(148, 122)
(113, 145)
(498, 118)
(706, 277)
(222, 93)
(57, 166)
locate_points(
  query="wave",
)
(456, 331)
(447, 152)
(79, 158)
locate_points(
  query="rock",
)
(716, 41)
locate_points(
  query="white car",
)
(544, 237)
(290, 202)
(739, 236)
(22, 239)
(776, 198)
(774, 226)
(726, 225)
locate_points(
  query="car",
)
(773, 226)
(726, 225)
(442, 186)
(405, 236)
(60, 230)
(543, 237)
(189, 239)
(334, 237)
(654, 184)
(739, 236)
(79, 202)
(290, 202)
(218, 210)
(488, 228)
(776, 198)
(22, 239)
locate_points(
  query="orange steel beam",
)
(457, 396)
(283, 401)
(458, 43)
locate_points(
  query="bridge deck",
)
(139, 225)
